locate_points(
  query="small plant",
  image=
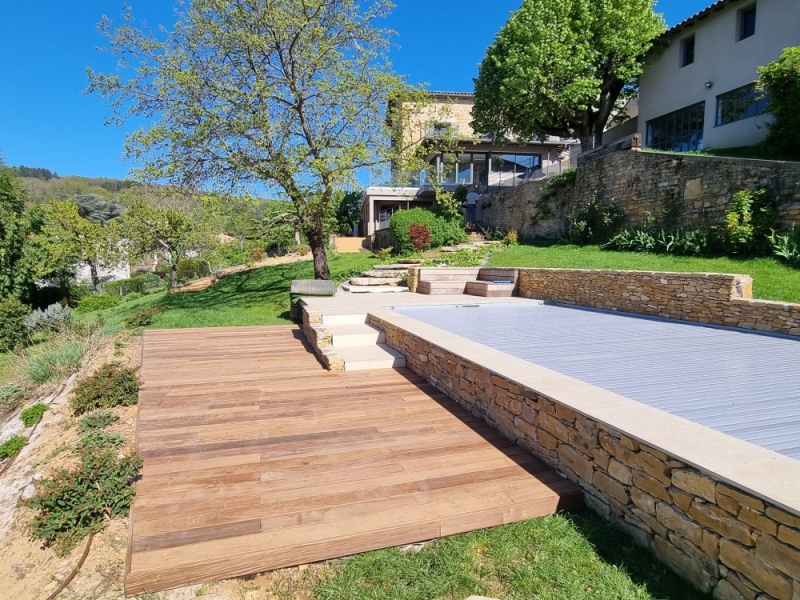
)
(420, 236)
(31, 415)
(97, 420)
(511, 238)
(56, 364)
(143, 318)
(12, 446)
(132, 296)
(786, 247)
(98, 440)
(74, 503)
(749, 217)
(560, 181)
(383, 253)
(111, 386)
(596, 223)
(301, 249)
(53, 318)
(96, 302)
(257, 254)
(12, 323)
(10, 396)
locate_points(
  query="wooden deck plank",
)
(256, 458)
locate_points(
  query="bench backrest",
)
(313, 287)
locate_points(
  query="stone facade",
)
(709, 298)
(723, 539)
(678, 190)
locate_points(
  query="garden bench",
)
(307, 287)
(473, 281)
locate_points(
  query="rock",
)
(28, 492)
(382, 274)
(21, 569)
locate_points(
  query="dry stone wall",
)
(679, 190)
(722, 539)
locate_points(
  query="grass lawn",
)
(564, 557)
(772, 280)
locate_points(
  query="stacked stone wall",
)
(723, 539)
(320, 338)
(678, 190)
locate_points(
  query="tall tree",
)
(288, 95)
(561, 68)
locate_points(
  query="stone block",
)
(709, 564)
(651, 485)
(721, 522)
(675, 521)
(710, 544)
(601, 458)
(781, 516)
(554, 427)
(610, 487)
(681, 499)
(741, 497)
(546, 440)
(789, 536)
(779, 555)
(643, 500)
(313, 287)
(761, 574)
(587, 429)
(616, 449)
(565, 413)
(726, 591)
(629, 443)
(729, 504)
(651, 522)
(654, 467)
(693, 482)
(620, 472)
(758, 521)
(683, 564)
(576, 462)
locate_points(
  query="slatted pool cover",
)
(741, 383)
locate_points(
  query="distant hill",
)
(45, 185)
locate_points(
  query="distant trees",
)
(561, 68)
(34, 172)
(347, 210)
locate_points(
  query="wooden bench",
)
(490, 283)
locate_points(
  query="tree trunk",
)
(173, 269)
(316, 241)
(95, 277)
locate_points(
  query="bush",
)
(132, 296)
(511, 238)
(12, 323)
(301, 249)
(780, 80)
(192, 268)
(53, 318)
(143, 318)
(596, 223)
(111, 386)
(786, 247)
(10, 396)
(99, 440)
(143, 283)
(96, 302)
(257, 254)
(383, 253)
(420, 236)
(12, 445)
(56, 364)
(97, 420)
(74, 503)
(444, 232)
(749, 217)
(31, 415)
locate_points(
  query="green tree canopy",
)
(286, 95)
(561, 67)
(780, 80)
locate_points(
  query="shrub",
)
(749, 217)
(559, 181)
(10, 395)
(420, 236)
(700, 242)
(192, 268)
(786, 247)
(56, 364)
(383, 253)
(97, 420)
(31, 415)
(74, 503)
(257, 254)
(143, 283)
(143, 318)
(111, 386)
(98, 440)
(596, 223)
(54, 317)
(495, 234)
(12, 445)
(444, 232)
(132, 296)
(96, 302)
(301, 249)
(511, 238)
(780, 80)
(12, 323)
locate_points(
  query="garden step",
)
(375, 281)
(374, 289)
(359, 334)
(361, 358)
(381, 273)
(396, 267)
(344, 319)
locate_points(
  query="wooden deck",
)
(256, 458)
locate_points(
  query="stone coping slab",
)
(761, 472)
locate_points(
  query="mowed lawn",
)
(772, 280)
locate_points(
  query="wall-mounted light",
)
(709, 84)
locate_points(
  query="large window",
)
(747, 22)
(509, 170)
(486, 169)
(741, 103)
(679, 131)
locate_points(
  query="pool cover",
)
(742, 383)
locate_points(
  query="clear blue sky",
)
(45, 46)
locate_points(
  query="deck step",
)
(360, 334)
(344, 319)
(379, 356)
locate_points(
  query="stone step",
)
(360, 334)
(362, 358)
(330, 320)
(395, 267)
(368, 289)
(375, 281)
(382, 273)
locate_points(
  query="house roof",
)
(703, 14)
(456, 94)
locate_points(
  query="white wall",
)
(666, 86)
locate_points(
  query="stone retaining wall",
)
(320, 338)
(710, 298)
(722, 538)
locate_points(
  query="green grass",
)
(758, 151)
(56, 364)
(257, 297)
(772, 279)
(561, 557)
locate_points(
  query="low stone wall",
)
(722, 536)
(710, 298)
(320, 338)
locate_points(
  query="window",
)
(747, 23)
(687, 51)
(741, 103)
(486, 169)
(509, 170)
(679, 131)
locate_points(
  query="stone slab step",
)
(394, 267)
(362, 358)
(330, 320)
(382, 273)
(375, 281)
(366, 289)
(356, 334)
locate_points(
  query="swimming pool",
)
(742, 383)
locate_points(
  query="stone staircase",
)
(355, 345)
(381, 279)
